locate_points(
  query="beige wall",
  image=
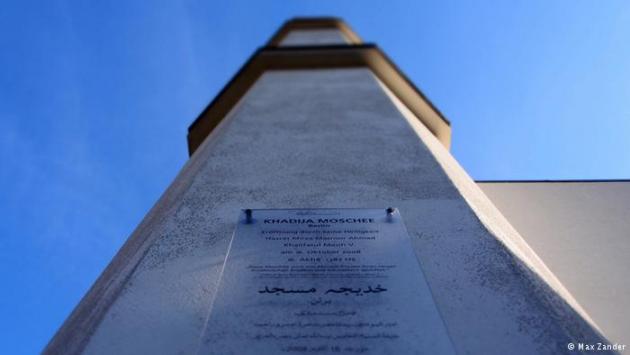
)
(581, 230)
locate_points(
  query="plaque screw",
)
(248, 215)
(390, 210)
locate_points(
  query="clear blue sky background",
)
(96, 97)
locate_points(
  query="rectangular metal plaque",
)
(323, 281)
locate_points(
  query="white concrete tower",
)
(317, 119)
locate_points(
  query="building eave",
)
(319, 57)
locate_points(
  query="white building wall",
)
(581, 230)
(333, 138)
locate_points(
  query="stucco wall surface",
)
(333, 138)
(581, 230)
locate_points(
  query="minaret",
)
(318, 119)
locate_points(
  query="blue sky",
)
(96, 97)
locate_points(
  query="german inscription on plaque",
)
(323, 281)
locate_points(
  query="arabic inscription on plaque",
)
(320, 281)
